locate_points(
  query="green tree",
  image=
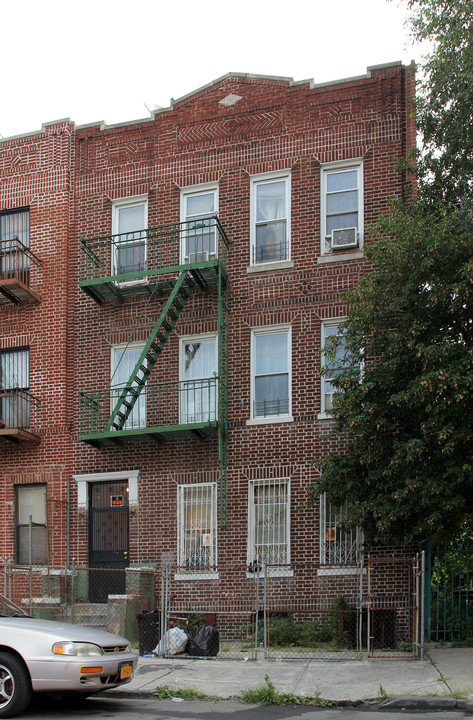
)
(407, 473)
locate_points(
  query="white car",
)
(60, 658)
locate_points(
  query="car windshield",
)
(9, 609)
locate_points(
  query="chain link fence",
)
(305, 611)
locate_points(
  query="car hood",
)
(62, 631)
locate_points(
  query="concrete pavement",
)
(444, 679)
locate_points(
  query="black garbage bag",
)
(204, 642)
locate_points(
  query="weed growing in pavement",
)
(268, 695)
(382, 694)
(163, 692)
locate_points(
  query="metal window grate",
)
(197, 526)
(269, 521)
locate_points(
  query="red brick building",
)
(183, 272)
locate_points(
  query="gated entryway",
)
(108, 539)
(449, 590)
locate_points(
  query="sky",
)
(116, 60)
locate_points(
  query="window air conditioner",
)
(198, 257)
(344, 238)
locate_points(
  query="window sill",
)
(270, 266)
(211, 575)
(274, 572)
(270, 420)
(340, 257)
(339, 570)
(324, 416)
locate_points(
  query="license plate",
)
(126, 671)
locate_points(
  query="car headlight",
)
(80, 649)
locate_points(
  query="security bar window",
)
(197, 523)
(14, 388)
(269, 514)
(14, 243)
(338, 546)
(31, 525)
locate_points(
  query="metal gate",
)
(449, 590)
(108, 540)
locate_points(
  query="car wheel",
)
(15, 686)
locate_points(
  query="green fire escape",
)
(166, 265)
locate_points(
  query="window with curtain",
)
(199, 241)
(269, 514)
(271, 373)
(270, 223)
(14, 388)
(123, 363)
(197, 523)
(130, 222)
(31, 525)
(198, 373)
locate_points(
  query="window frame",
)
(325, 171)
(255, 182)
(43, 560)
(195, 191)
(15, 251)
(324, 410)
(270, 330)
(135, 201)
(115, 352)
(186, 340)
(254, 567)
(202, 572)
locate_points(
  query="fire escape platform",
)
(19, 435)
(13, 290)
(157, 433)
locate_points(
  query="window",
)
(271, 373)
(269, 513)
(14, 243)
(333, 366)
(199, 242)
(342, 208)
(270, 219)
(31, 525)
(130, 222)
(198, 373)
(14, 386)
(197, 525)
(124, 359)
(337, 546)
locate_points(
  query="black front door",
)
(108, 540)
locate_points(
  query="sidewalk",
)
(443, 680)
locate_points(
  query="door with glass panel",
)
(199, 236)
(198, 380)
(124, 360)
(129, 239)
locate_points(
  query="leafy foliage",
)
(408, 471)
(445, 98)
(409, 466)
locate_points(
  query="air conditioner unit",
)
(198, 257)
(344, 238)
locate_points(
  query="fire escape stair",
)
(129, 394)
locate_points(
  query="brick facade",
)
(70, 179)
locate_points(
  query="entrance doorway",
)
(108, 540)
